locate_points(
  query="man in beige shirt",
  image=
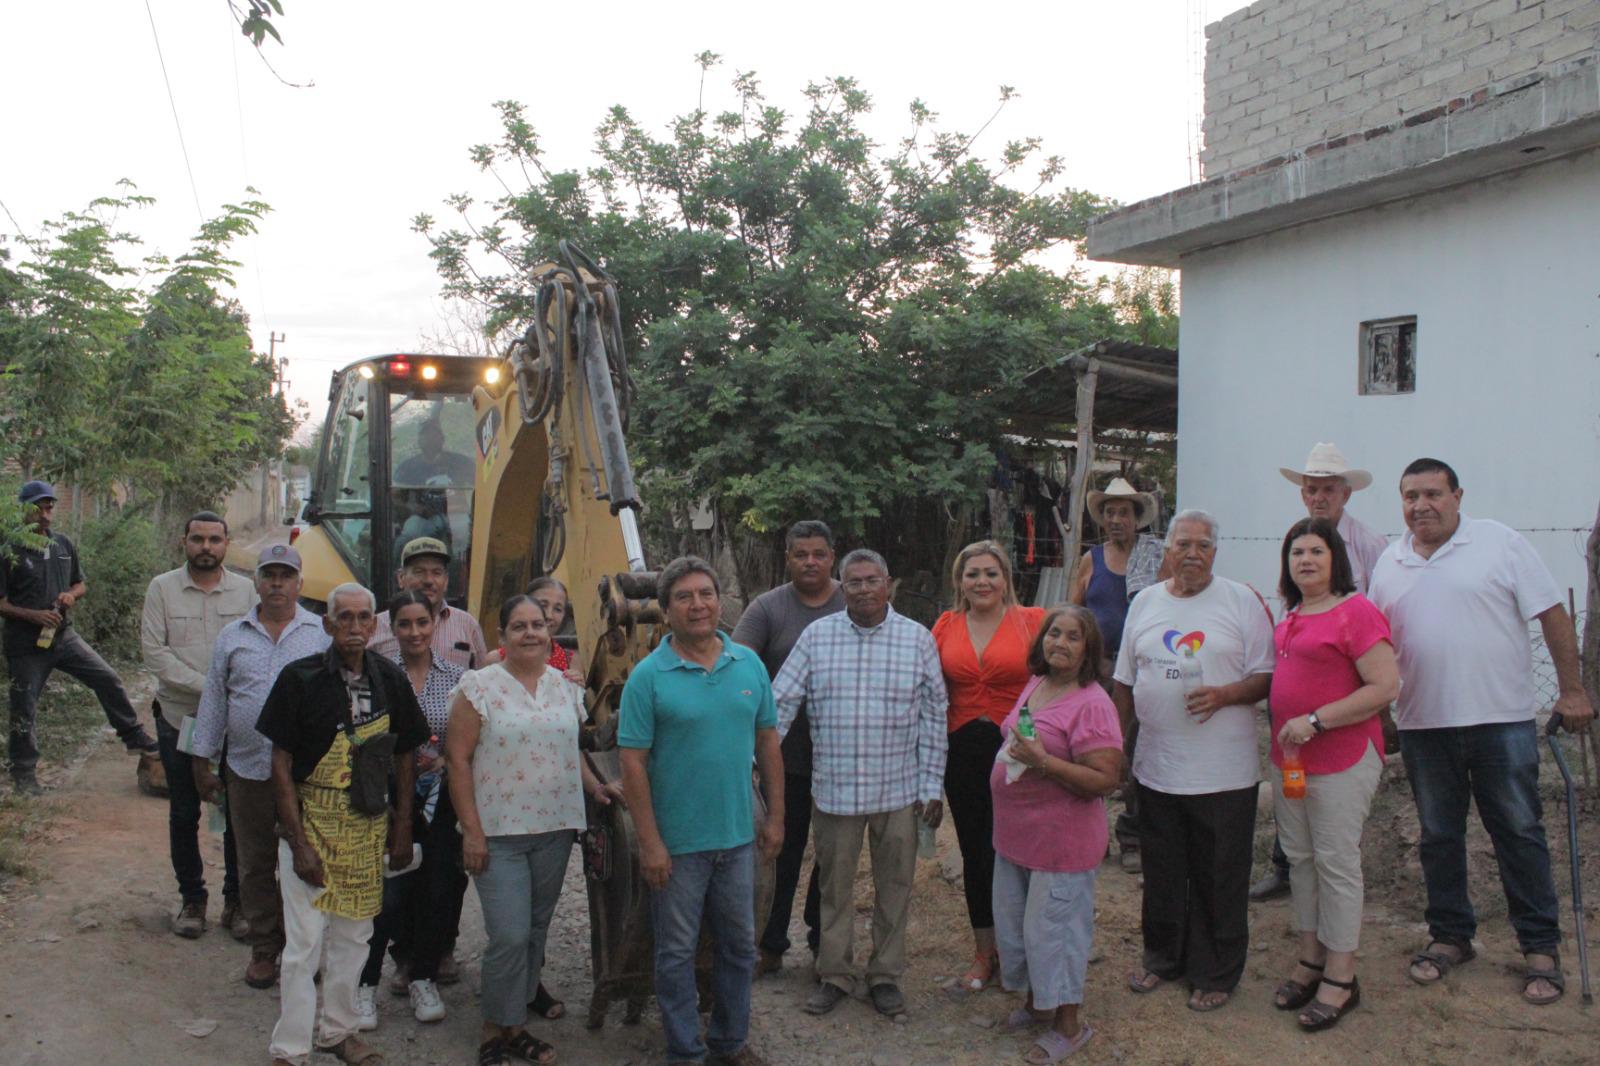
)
(184, 610)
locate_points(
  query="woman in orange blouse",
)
(983, 647)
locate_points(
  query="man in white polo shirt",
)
(1459, 593)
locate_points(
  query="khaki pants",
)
(253, 812)
(1321, 835)
(892, 842)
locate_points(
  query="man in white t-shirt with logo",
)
(1196, 657)
(1459, 593)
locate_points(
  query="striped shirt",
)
(876, 700)
(456, 637)
(244, 664)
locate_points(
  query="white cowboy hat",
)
(1326, 460)
(1144, 504)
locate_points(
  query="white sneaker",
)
(366, 1008)
(425, 1002)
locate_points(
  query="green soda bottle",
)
(1025, 723)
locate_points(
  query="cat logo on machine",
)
(488, 431)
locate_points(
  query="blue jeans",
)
(1496, 766)
(183, 822)
(30, 669)
(721, 886)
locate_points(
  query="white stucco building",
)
(1396, 248)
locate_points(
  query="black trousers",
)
(422, 909)
(1196, 853)
(973, 748)
(786, 878)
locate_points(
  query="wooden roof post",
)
(1088, 375)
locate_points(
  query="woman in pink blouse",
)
(1335, 671)
(517, 780)
(1050, 830)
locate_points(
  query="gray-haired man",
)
(872, 686)
(246, 660)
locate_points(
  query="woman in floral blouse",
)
(517, 779)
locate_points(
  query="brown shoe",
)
(356, 1051)
(262, 971)
(191, 920)
(768, 963)
(745, 1056)
(233, 919)
(400, 980)
(151, 776)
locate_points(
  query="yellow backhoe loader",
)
(519, 465)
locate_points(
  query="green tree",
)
(820, 326)
(131, 378)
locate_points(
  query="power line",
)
(193, 187)
(244, 163)
(17, 225)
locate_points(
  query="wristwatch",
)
(1316, 723)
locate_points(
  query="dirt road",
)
(93, 976)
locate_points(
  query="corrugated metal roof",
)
(1145, 399)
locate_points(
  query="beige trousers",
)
(892, 842)
(1321, 835)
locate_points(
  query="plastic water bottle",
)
(1025, 723)
(927, 840)
(1190, 675)
(1294, 774)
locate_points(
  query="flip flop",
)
(1057, 1047)
(1200, 1007)
(1144, 982)
(1018, 1020)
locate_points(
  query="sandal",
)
(1292, 995)
(355, 1051)
(1145, 982)
(547, 1006)
(1200, 1000)
(1020, 1019)
(1053, 1047)
(1439, 960)
(1319, 1015)
(980, 973)
(530, 1048)
(1553, 974)
(492, 1052)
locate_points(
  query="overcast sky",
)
(403, 89)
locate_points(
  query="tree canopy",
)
(129, 371)
(820, 325)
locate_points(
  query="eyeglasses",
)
(862, 584)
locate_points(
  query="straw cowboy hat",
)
(1326, 460)
(1144, 504)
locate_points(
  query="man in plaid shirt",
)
(872, 686)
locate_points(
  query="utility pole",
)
(267, 467)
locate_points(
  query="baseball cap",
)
(34, 491)
(278, 555)
(423, 546)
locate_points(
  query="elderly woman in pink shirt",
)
(1335, 671)
(1050, 829)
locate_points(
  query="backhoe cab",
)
(398, 461)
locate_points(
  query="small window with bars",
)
(1389, 356)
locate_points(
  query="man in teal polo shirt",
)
(695, 713)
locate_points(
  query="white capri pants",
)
(1044, 928)
(1321, 835)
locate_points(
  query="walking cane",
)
(1550, 733)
